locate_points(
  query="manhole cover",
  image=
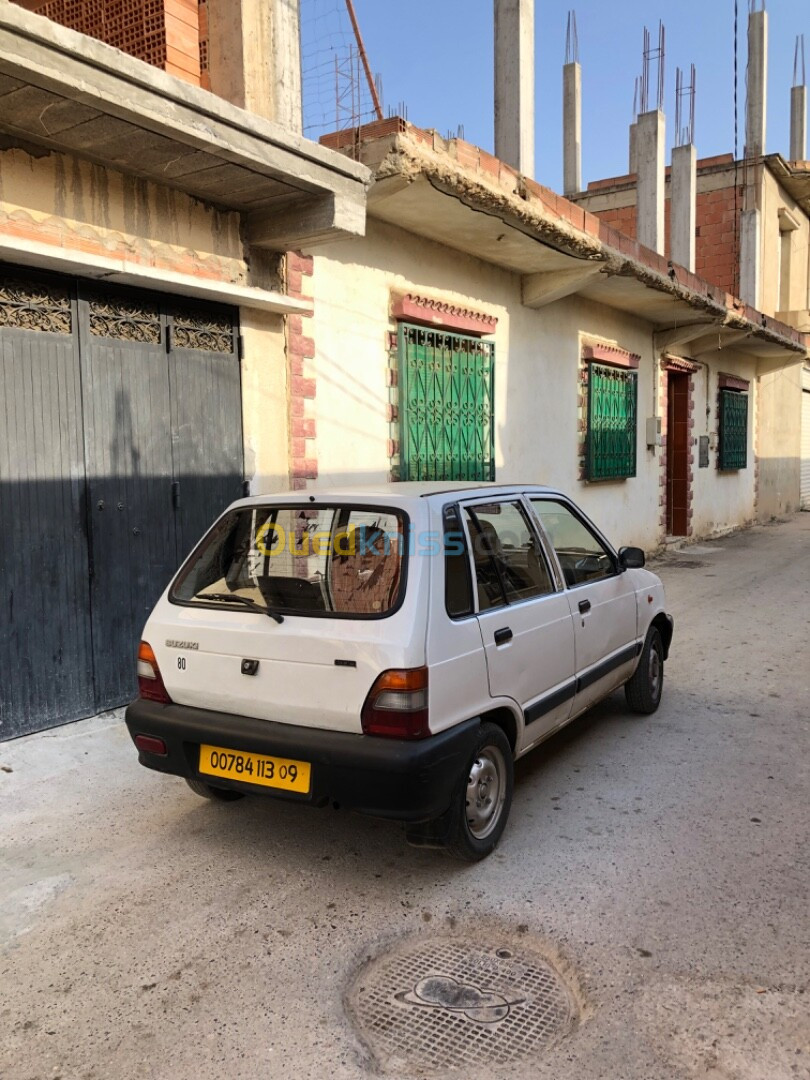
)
(449, 1003)
(684, 564)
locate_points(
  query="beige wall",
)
(536, 387)
(73, 204)
(721, 500)
(779, 442)
(264, 401)
(795, 292)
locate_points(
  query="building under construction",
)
(197, 301)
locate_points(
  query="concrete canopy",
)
(559, 250)
(75, 95)
(794, 177)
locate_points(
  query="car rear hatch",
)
(324, 609)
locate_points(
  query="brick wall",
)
(717, 240)
(164, 33)
(716, 244)
(300, 353)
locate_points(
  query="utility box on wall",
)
(653, 432)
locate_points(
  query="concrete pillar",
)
(254, 57)
(572, 128)
(757, 101)
(683, 203)
(651, 178)
(634, 147)
(750, 257)
(798, 123)
(514, 84)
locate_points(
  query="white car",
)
(392, 650)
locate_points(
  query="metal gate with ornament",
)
(122, 440)
(446, 384)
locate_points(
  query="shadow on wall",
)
(82, 563)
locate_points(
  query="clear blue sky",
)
(437, 56)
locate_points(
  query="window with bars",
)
(733, 452)
(611, 435)
(446, 385)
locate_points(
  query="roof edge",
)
(487, 184)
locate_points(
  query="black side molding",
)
(550, 701)
(599, 672)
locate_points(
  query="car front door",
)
(525, 619)
(602, 600)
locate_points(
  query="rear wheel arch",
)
(504, 718)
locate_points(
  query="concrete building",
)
(145, 303)
(474, 252)
(175, 330)
(747, 228)
(782, 190)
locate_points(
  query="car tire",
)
(214, 793)
(482, 800)
(643, 691)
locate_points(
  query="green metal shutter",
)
(612, 409)
(733, 430)
(446, 384)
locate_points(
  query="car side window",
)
(509, 565)
(458, 596)
(582, 556)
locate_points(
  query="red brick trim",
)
(610, 354)
(732, 382)
(302, 384)
(429, 312)
(677, 363)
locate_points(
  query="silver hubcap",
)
(655, 672)
(486, 791)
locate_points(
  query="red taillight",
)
(151, 744)
(397, 705)
(150, 682)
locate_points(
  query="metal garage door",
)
(121, 441)
(45, 636)
(805, 439)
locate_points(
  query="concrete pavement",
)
(661, 862)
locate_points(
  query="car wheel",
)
(483, 798)
(643, 690)
(215, 793)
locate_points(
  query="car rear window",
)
(339, 561)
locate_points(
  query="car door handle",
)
(584, 606)
(503, 635)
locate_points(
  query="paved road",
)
(662, 861)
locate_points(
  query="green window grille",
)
(446, 384)
(612, 410)
(733, 430)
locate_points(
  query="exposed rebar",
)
(571, 39)
(798, 62)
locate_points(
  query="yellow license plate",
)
(261, 769)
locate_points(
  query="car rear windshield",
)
(344, 561)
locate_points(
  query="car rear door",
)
(524, 617)
(601, 599)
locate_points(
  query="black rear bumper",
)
(390, 778)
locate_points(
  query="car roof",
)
(395, 493)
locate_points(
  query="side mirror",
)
(631, 558)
